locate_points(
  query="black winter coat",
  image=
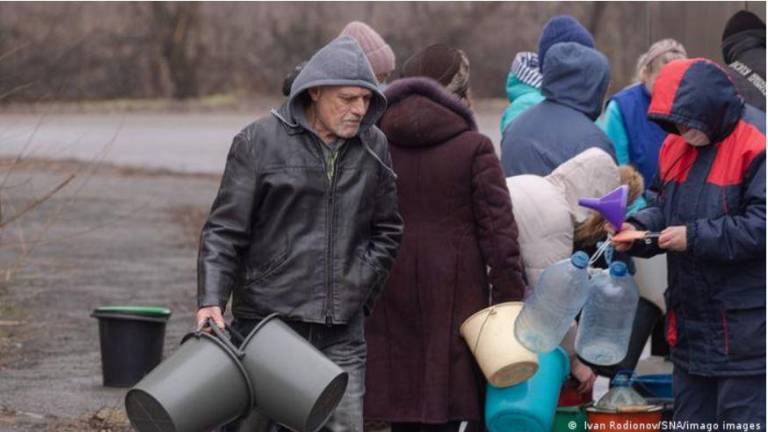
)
(744, 53)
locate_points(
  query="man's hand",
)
(620, 246)
(583, 374)
(209, 312)
(674, 238)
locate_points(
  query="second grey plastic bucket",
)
(200, 387)
(294, 384)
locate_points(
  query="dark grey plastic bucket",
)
(131, 340)
(294, 384)
(200, 387)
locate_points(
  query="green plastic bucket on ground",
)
(201, 387)
(149, 311)
(131, 339)
(570, 419)
(294, 384)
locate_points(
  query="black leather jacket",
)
(291, 233)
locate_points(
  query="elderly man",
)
(305, 223)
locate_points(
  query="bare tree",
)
(596, 17)
(173, 30)
(162, 49)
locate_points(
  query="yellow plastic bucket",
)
(490, 334)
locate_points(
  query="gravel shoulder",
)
(111, 236)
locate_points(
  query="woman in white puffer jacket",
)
(548, 214)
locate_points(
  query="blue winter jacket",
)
(560, 127)
(716, 293)
(636, 139)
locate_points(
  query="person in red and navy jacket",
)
(710, 212)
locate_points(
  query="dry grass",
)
(67, 166)
(103, 420)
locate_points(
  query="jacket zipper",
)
(331, 173)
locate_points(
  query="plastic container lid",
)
(618, 269)
(580, 259)
(150, 311)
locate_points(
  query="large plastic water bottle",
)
(606, 321)
(557, 297)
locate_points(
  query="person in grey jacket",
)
(575, 79)
(305, 223)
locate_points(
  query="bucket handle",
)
(491, 311)
(224, 339)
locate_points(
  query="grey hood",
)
(340, 63)
(576, 76)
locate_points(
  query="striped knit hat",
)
(525, 67)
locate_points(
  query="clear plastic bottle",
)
(556, 300)
(606, 321)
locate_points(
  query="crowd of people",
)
(374, 217)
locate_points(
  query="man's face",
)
(340, 110)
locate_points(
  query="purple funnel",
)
(611, 206)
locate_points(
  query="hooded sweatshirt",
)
(340, 63)
(550, 133)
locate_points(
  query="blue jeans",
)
(343, 345)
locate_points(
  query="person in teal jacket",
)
(523, 86)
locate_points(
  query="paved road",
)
(189, 142)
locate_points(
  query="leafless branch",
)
(34, 204)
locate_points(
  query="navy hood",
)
(576, 76)
(698, 94)
(340, 63)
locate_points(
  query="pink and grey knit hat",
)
(377, 51)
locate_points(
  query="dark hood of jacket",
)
(576, 76)
(422, 113)
(737, 44)
(698, 94)
(340, 63)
